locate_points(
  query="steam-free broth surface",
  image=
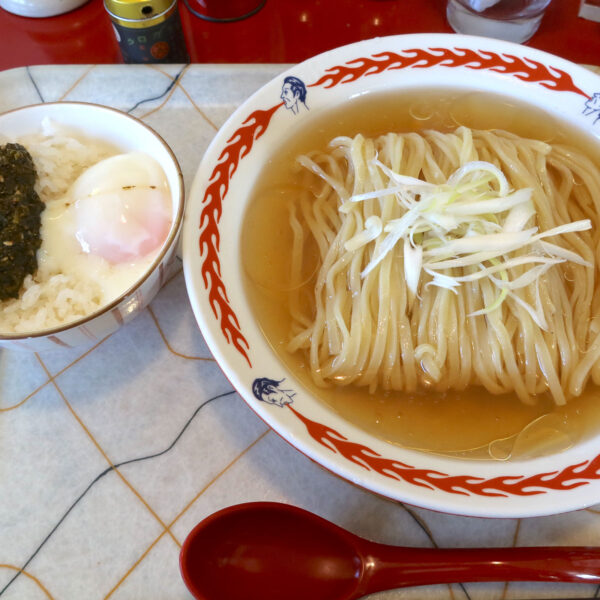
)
(472, 423)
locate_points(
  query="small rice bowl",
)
(69, 284)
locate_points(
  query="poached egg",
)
(122, 207)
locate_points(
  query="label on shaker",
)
(160, 43)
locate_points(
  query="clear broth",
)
(473, 423)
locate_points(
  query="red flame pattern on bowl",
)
(238, 146)
(417, 58)
(568, 478)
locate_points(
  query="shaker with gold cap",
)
(148, 31)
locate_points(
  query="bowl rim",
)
(224, 353)
(166, 245)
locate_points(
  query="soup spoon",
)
(269, 551)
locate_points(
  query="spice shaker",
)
(148, 31)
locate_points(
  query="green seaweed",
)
(20, 219)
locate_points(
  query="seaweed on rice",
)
(20, 219)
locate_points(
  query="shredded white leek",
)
(472, 220)
(372, 230)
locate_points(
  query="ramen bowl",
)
(215, 265)
(118, 133)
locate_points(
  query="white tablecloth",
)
(110, 454)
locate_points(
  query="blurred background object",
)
(40, 8)
(224, 10)
(590, 9)
(511, 20)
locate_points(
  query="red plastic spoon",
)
(270, 551)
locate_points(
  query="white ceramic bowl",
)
(40, 8)
(213, 269)
(128, 134)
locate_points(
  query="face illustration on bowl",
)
(272, 391)
(592, 107)
(293, 94)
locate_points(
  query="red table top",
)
(283, 31)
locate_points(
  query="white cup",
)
(501, 19)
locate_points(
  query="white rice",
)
(52, 297)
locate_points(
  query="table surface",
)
(283, 31)
(111, 453)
